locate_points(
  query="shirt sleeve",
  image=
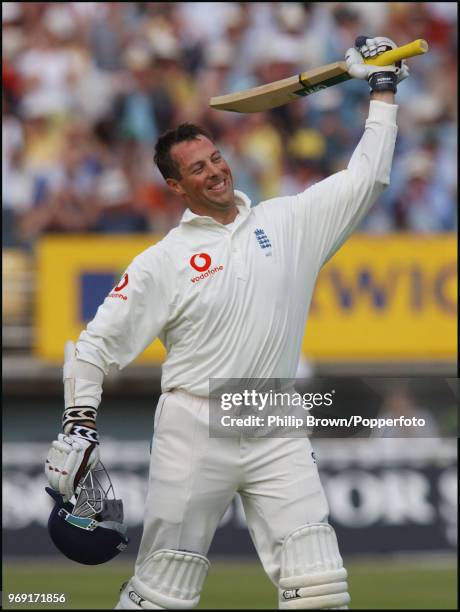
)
(329, 211)
(131, 316)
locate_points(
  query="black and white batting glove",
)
(380, 78)
(70, 457)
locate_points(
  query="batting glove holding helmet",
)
(70, 457)
(90, 530)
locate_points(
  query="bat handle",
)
(416, 47)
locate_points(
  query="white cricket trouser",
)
(193, 479)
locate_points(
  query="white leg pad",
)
(169, 579)
(312, 572)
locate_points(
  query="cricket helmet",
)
(90, 530)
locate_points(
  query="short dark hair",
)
(166, 164)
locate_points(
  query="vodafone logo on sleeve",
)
(121, 285)
(201, 262)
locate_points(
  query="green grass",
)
(373, 585)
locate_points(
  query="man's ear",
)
(175, 186)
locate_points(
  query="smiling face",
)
(206, 181)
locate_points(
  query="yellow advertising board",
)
(391, 297)
(380, 298)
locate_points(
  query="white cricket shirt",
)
(232, 301)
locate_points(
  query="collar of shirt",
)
(243, 203)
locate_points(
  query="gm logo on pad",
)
(291, 594)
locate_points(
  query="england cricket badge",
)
(263, 241)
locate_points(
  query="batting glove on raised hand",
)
(70, 457)
(380, 78)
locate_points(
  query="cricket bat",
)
(287, 90)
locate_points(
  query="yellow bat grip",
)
(416, 47)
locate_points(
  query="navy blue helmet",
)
(91, 530)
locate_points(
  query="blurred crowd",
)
(89, 86)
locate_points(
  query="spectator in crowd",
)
(63, 196)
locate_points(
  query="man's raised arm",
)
(331, 209)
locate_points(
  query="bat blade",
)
(282, 92)
(275, 94)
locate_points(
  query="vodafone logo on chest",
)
(201, 262)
